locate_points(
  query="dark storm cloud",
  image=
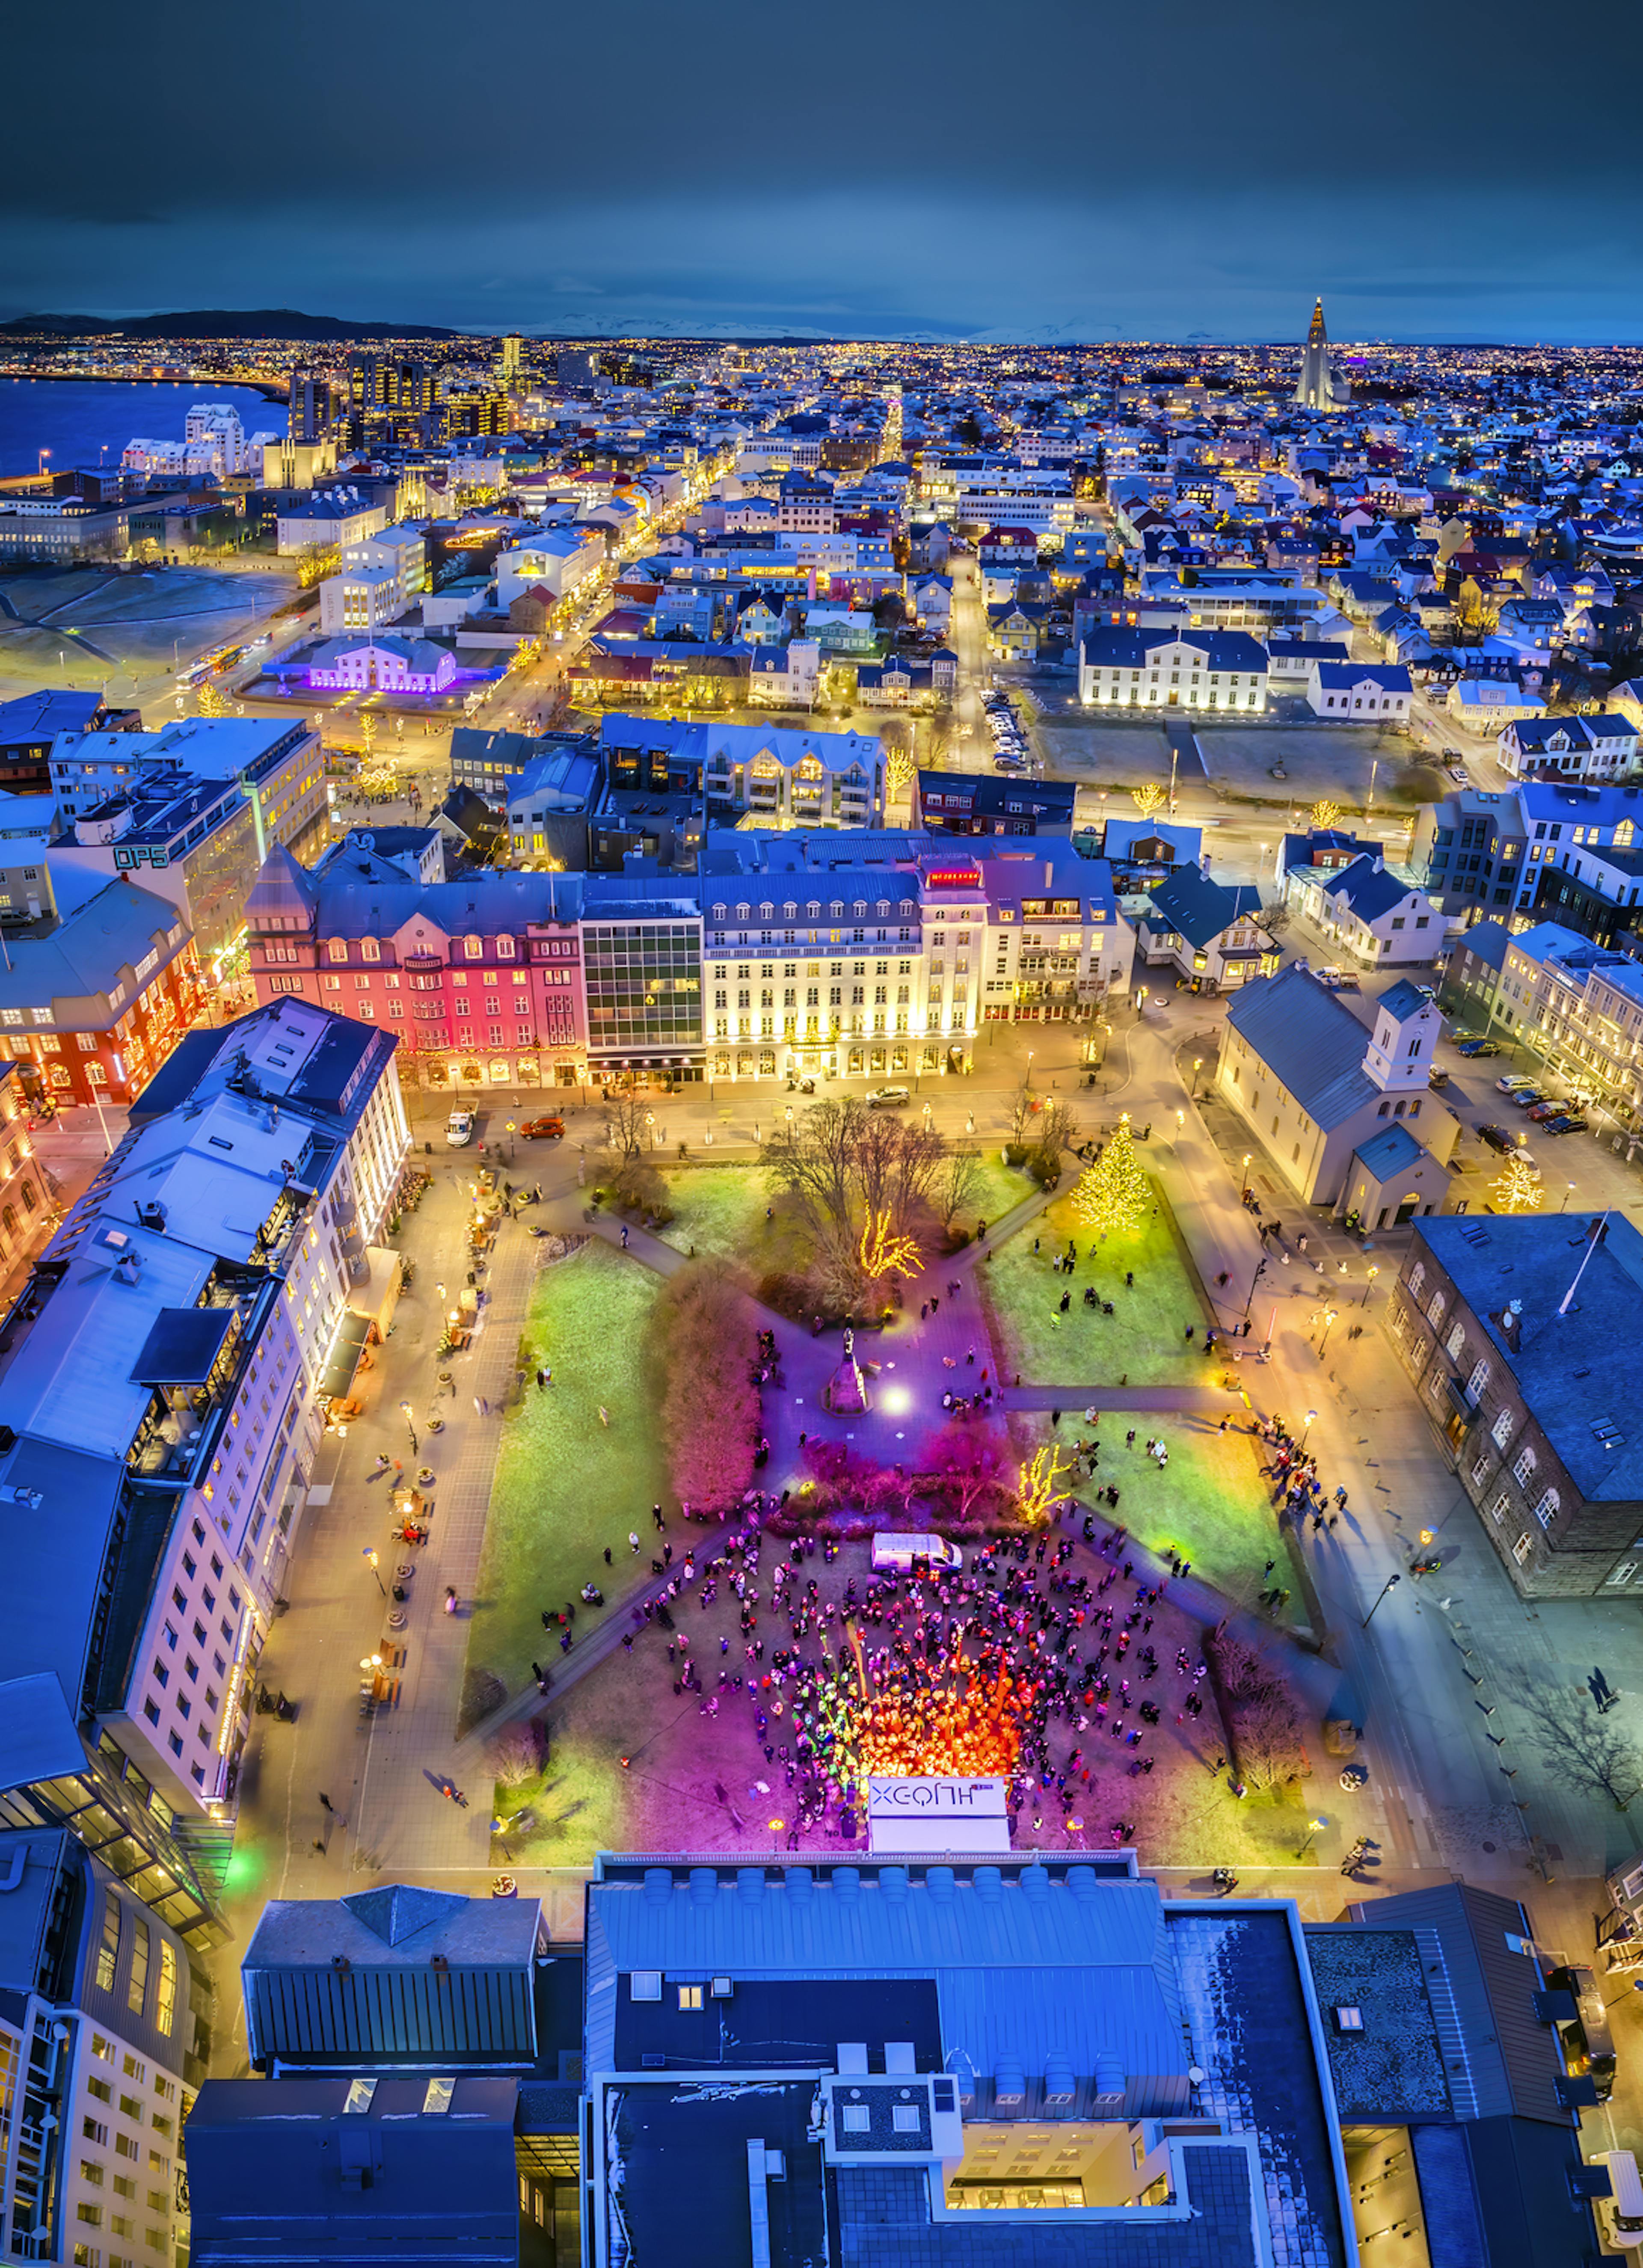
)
(1070, 171)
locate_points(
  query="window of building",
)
(1546, 1511)
(1454, 1344)
(1522, 1471)
(136, 1987)
(165, 1992)
(1500, 1432)
(108, 1946)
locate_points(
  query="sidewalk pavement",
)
(1074, 1400)
(382, 1773)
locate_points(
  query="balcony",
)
(194, 1359)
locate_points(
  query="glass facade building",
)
(644, 981)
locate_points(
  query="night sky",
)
(1074, 170)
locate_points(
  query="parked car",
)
(1458, 774)
(1514, 1082)
(459, 1128)
(1437, 1079)
(1546, 1109)
(888, 1098)
(1496, 1137)
(1480, 1047)
(543, 1129)
(1523, 1098)
(1571, 1123)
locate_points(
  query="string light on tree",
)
(883, 1252)
(1519, 1189)
(1113, 1193)
(1041, 1482)
(1325, 813)
(1148, 799)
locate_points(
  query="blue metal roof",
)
(1312, 1045)
(1392, 1151)
(1023, 1966)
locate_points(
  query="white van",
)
(898, 1552)
(1620, 2216)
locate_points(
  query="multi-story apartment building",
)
(30, 727)
(479, 979)
(100, 2054)
(1578, 1005)
(279, 769)
(1550, 850)
(1529, 1388)
(360, 598)
(996, 492)
(160, 1407)
(90, 1009)
(24, 1197)
(792, 778)
(806, 951)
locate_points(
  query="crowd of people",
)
(1021, 1663)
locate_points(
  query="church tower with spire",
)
(1320, 388)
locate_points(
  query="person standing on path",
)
(481, 1408)
(624, 1236)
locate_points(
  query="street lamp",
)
(369, 1553)
(1312, 1827)
(1369, 1617)
(1247, 1156)
(1306, 1428)
(1198, 1065)
(509, 1130)
(410, 1427)
(1567, 1194)
(1328, 1318)
(1369, 1287)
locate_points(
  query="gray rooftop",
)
(1576, 1372)
(1312, 1044)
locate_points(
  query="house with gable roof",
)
(1211, 933)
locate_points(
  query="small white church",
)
(1347, 1118)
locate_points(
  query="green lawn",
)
(1145, 1341)
(1210, 1503)
(567, 1486)
(721, 1209)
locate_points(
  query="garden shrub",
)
(710, 1416)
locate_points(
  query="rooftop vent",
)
(1608, 1432)
(1349, 2019)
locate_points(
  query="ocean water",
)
(84, 422)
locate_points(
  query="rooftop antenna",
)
(1594, 1238)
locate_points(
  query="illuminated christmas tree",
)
(1113, 1193)
(1519, 1188)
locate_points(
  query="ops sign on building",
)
(906, 1817)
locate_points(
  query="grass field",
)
(721, 1209)
(566, 1484)
(1210, 1503)
(1144, 1341)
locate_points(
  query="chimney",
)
(1050, 875)
(1512, 1322)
